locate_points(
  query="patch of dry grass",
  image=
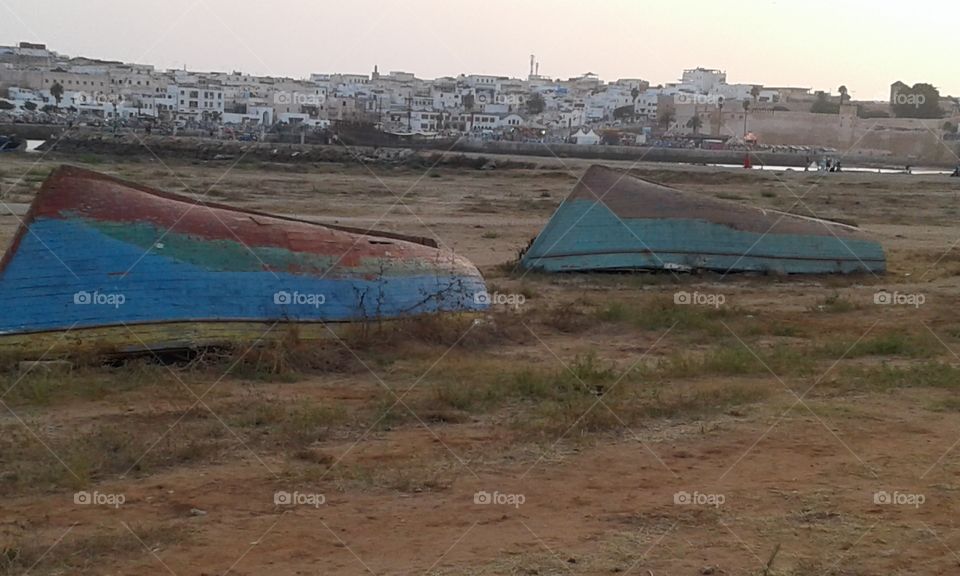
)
(86, 552)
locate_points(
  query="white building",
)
(511, 121)
(201, 102)
(647, 104)
(704, 80)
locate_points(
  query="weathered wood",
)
(96, 252)
(613, 221)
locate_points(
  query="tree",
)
(719, 115)
(746, 114)
(920, 101)
(666, 118)
(30, 106)
(469, 101)
(755, 92)
(536, 104)
(695, 123)
(823, 105)
(635, 93)
(57, 92)
(4, 105)
(624, 112)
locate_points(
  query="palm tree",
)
(720, 120)
(755, 92)
(746, 112)
(844, 95)
(695, 122)
(666, 118)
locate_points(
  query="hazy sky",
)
(820, 44)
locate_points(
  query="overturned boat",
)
(614, 221)
(104, 263)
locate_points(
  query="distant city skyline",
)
(816, 44)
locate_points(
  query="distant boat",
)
(613, 221)
(10, 143)
(111, 264)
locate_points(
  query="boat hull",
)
(617, 222)
(96, 252)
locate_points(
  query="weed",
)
(834, 304)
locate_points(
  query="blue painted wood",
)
(66, 274)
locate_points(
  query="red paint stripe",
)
(99, 197)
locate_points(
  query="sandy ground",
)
(850, 467)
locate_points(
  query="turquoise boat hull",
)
(613, 221)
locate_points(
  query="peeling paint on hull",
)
(96, 252)
(617, 222)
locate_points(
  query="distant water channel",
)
(915, 171)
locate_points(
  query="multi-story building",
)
(703, 80)
(199, 101)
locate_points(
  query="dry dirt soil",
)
(798, 428)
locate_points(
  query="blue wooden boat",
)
(614, 221)
(107, 262)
